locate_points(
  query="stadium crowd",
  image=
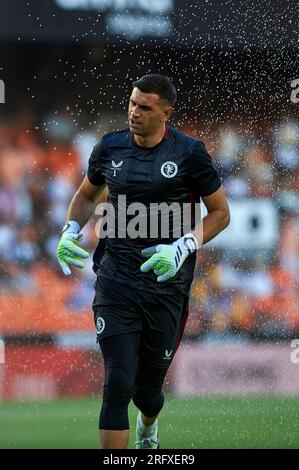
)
(242, 297)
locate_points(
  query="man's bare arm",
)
(84, 201)
(216, 220)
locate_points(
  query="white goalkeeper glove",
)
(68, 251)
(166, 260)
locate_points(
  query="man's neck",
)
(150, 140)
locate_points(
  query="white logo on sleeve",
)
(167, 355)
(100, 325)
(116, 167)
(169, 169)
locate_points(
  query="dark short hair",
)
(159, 84)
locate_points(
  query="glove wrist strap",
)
(71, 227)
(191, 243)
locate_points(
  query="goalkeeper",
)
(142, 286)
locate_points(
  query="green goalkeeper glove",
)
(68, 251)
(166, 260)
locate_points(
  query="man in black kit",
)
(142, 286)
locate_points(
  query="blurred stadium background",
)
(67, 67)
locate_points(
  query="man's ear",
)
(167, 113)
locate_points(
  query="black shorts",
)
(160, 319)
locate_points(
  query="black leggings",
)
(128, 376)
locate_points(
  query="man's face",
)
(146, 112)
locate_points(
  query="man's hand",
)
(166, 260)
(68, 251)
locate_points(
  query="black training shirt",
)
(177, 170)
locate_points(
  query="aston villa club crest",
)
(169, 169)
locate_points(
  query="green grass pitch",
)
(200, 423)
